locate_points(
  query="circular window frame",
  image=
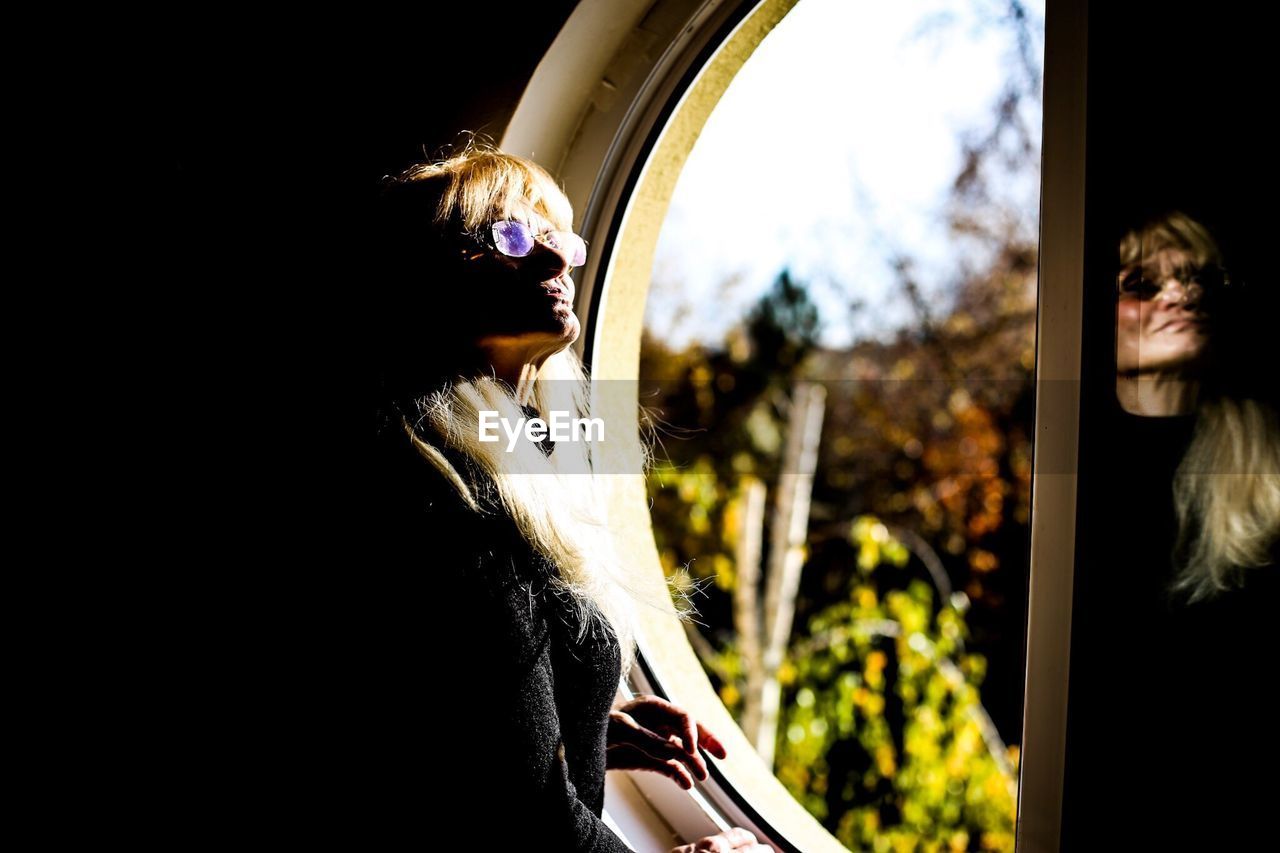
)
(614, 109)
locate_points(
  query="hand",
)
(736, 839)
(650, 733)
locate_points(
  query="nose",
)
(1178, 292)
(553, 261)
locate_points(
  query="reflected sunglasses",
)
(1196, 283)
(516, 240)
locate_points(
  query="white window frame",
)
(612, 84)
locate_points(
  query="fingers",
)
(627, 757)
(675, 752)
(695, 734)
(679, 773)
(688, 729)
(658, 748)
(710, 742)
(663, 716)
(736, 839)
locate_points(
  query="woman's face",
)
(525, 301)
(1160, 323)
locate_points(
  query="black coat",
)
(1171, 740)
(501, 709)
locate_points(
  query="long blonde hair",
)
(1175, 231)
(1227, 496)
(557, 501)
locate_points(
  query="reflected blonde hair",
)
(1227, 496)
(1174, 231)
(557, 502)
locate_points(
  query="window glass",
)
(838, 364)
(1179, 486)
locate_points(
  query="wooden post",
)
(787, 549)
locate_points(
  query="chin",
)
(1174, 357)
(567, 326)
(572, 331)
(561, 336)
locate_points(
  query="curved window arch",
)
(620, 150)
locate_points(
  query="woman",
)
(1172, 287)
(480, 247)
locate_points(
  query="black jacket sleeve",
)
(462, 669)
(528, 761)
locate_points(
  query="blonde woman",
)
(1227, 487)
(478, 322)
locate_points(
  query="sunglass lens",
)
(577, 250)
(1135, 286)
(512, 238)
(573, 246)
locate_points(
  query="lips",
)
(560, 289)
(1180, 324)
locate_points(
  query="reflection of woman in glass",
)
(480, 318)
(1227, 487)
(1162, 332)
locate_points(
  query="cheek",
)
(1130, 317)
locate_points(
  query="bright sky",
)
(832, 149)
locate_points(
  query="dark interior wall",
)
(264, 147)
(290, 124)
(357, 93)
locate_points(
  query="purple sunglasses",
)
(515, 240)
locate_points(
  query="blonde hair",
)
(1227, 496)
(556, 501)
(1174, 231)
(480, 185)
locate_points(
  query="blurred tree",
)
(911, 599)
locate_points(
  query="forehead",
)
(540, 201)
(535, 215)
(1168, 261)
